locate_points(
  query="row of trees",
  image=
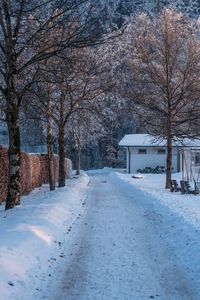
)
(52, 68)
(68, 96)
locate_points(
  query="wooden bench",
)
(174, 186)
(186, 188)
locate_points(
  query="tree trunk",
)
(14, 186)
(78, 160)
(169, 163)
(169, 152)
(61, 142)
(50, 157)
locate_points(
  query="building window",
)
(197, 159)
(161, 151)
(142, 151)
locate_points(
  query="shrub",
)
(150, 170)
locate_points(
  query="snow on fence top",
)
(146, 140)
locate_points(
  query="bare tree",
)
(77, 92)
(79, 85)
(163, 71)
(42, 97)
(50, 138)
(85, 127)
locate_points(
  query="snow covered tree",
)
(163, 75)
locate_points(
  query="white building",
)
(191, 163)
(143, 150)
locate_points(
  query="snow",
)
(146, 140)
(127, 245)
(182, 228)
(102, 237)
(186, 206)
(31, 236)
(140, 140)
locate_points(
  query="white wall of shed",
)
(150, 159)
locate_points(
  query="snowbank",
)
(177, 217)
(31, 236)
(186, 206)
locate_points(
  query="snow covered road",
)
(117, 249)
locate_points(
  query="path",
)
(114, 251)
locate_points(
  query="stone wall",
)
(34, 171)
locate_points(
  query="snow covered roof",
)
(146, 140)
